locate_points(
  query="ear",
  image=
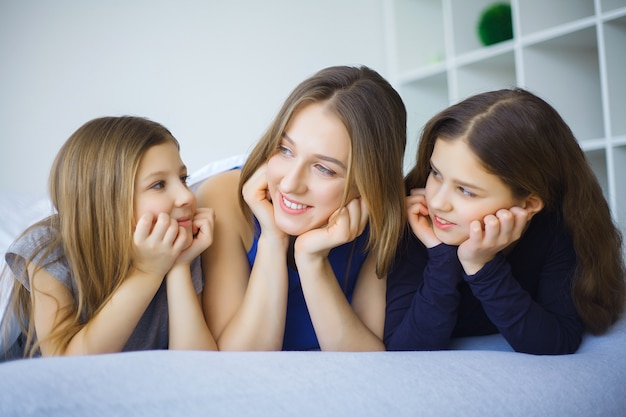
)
(533, 204)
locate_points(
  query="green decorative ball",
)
(495, 24)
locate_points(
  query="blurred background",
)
(214, 72)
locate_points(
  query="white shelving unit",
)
(572, 53)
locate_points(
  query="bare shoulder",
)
(219, 187)
(221, 193)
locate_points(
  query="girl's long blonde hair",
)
(375, 118)
(91, 188)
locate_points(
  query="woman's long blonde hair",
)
(91, 188)
(375, 118)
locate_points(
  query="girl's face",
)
(307, 174)
(161, 186)
(459, 190)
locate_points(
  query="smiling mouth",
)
(293, 206)
(442, 221)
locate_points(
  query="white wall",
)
(214, 72)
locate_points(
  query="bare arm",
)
(187, 328)
(245, 309)
(108, 331)
(338, 325)
(158, 244)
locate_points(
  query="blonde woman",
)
(116, 268)
(306, 230)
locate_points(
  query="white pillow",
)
(213, 168)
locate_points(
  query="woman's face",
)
(307, 174)
(459, 190)
(161, 186)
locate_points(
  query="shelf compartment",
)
(619, 168)
(565, 72)
(614, 41)
(597, 160)
(489, 74)
(419, 32)
(610, 5)
(423, 99)
(537, 15)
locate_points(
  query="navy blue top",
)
(346, 261)
(525, 295)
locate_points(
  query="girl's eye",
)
(324, 170)
(434, 173)
(158, 185)
(185, 179)
(466, 192)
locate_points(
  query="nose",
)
(438, 198)
(294, 179)
(184, 196)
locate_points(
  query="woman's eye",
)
(324, 170)
(184, 179)
(283, 150)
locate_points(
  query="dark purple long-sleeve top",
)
(525, 295)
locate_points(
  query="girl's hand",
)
(158, 242)
(500, 230)
(256, 194)
(344, 225)
(203, 222)
(417, 214)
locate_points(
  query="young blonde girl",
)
(510, 233)
(115, 268)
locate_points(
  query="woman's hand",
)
(202, 228)
(256, 194)
(500, 230)
(158, 242)
(419, 220)
(344, 225)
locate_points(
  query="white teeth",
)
(442, 221)
(293, 206)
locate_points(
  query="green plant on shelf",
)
(495, 24)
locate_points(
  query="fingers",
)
(352, 217)
(256, 188)
(163, 229)
(418, 191)
(143, 227)
(203, 224)
(500, 229)
(157, 242)
(358, 216)
(419, 219)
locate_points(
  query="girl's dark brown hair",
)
(523, 140)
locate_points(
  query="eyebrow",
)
(460, 182)
(320, 156)
(182, 168)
